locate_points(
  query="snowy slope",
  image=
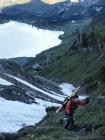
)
(66, 88)
(53, 95)
(4, 82)
(13, 114)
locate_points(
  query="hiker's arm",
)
(84, 102)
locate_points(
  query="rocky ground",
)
(21, 91)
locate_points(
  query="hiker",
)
(70, 106)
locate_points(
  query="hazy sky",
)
(54, 1)
(18, 39)
(4, 3)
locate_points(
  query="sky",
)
(54, 1)
(5, 3)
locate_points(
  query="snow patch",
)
(4, 82)
(60, 95)
(66, 88)
(82, 97)
(14, 114)
(99, 9)
(37, 89)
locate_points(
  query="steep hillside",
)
(75, 59)
(57, 52)
(52, 126)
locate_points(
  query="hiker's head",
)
(75, 97)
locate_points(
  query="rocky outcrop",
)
(25, 88)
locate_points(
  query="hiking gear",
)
(65, 102)
(75, 96)
(73, 93)
(67, 99)
(74, 104)
(68, 107)
(71, 105)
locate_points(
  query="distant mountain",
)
(36, 12)
(90, 2)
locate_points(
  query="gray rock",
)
(100, 100)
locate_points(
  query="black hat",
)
(75, 96)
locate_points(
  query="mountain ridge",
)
(39, 14)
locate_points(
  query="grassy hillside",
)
(51, 128)
(68, 64)
(58, 52)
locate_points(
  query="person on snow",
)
(69, 108)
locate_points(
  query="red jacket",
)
(72, 105)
